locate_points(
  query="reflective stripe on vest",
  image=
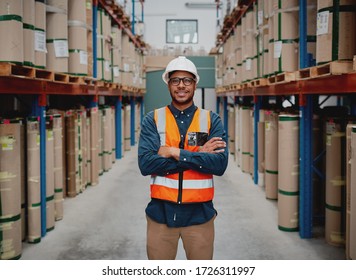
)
(197, 187)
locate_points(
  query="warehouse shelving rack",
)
(304, 89)
(41, 84)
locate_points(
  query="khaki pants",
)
(162, 241)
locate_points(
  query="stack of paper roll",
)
(252, 145)
(11, 31)
(335, 182)
(58, 166)
(261, 148)
(40, 34)
(10, 190)
(113, 135)
(271, 154)
(127, 61)
(262, 37)
(311, 30)
(286, 35)
(270, 38)
(83, 138)
(103, 46)
(352, 196)
(93, 115)
(245, 139)
(288, 172)
(89, 22)
(56, 35)
(237, 134)
(127, 127)
(23, 176)
(50, 205)
(77, 38)
(231, 129)
(29, 15)
(33, 180)
(101, 141)
(336, 36)
(249, 51)
(71, 152)
(116, 63)
(79, 155)
(106, 135)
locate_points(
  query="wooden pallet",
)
(284, 77)
(10, 69)
(77, 80)
(246, 85)
(331, 68)
(235, 87)
(260, 82)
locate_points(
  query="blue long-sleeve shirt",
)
(172, 214)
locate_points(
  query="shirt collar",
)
(189, 110)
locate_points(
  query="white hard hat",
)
(181, 63)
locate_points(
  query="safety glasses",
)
(186, 81)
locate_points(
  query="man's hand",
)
(168, 152)
(214, 145)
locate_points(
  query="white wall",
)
(156, 12)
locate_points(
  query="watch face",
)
(197, 138)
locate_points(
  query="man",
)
(181, 147)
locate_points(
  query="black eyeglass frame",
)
(187, 81)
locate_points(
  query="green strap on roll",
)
(288, 229)
(296, 193)
(10, 17)
(28, 26)
(272, 172)
(288, 118)
(333, 207)
(57, 39)
(36, 204)
(58, 190)
(10, 219)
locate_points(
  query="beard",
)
(182, 100)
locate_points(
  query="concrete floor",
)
(107, 222)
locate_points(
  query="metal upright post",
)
(305, 137)
(132, 103)
(305, 179)
(118, 130)
(39, 109)
(226, 116)
(257, 106)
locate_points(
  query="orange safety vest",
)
(189, 186)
